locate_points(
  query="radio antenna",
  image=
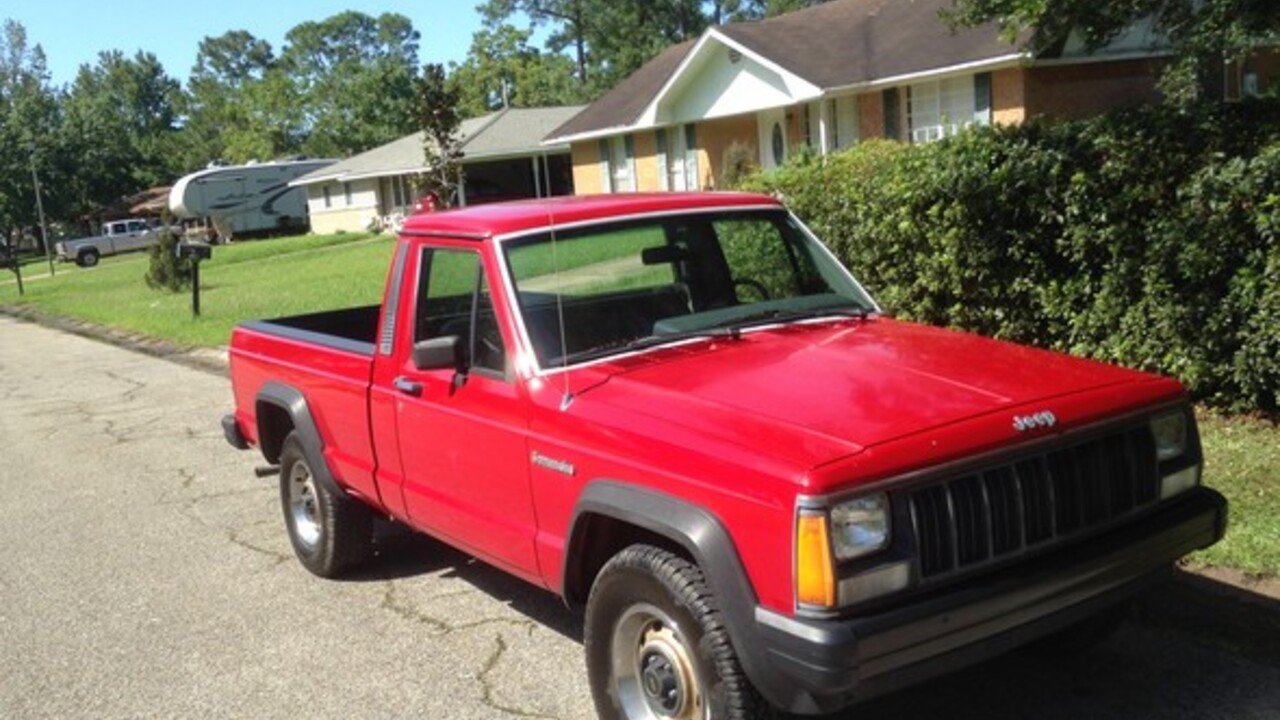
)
(566, 398)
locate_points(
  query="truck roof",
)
(512, 217)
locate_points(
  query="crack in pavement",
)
(487, 688)
(408, 610)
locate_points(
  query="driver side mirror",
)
(438, 353)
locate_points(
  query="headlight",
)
(860, 526)
(1170, 432)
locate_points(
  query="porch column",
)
(822, 128)
(537, 177)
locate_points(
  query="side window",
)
(454, 299)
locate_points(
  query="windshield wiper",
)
(769, 317)
(644, 343)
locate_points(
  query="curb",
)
(210, 360)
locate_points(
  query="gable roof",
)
(838, 44)
(849, 42)
(505, 133)
(620, 106)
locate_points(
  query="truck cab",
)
(682, 414)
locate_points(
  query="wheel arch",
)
(686, 529)
(282, 409)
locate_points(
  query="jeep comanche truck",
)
(680, 412)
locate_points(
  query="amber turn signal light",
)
(815, 573)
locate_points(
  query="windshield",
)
(640, 283)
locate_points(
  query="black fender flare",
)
(294, 403)
(704, 537)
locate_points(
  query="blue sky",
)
(74, 31)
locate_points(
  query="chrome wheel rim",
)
(654, 675)
(304, 505)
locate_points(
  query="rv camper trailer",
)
(245, 199)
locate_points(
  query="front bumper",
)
(822, 665)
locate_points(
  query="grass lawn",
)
(273, 278)
(1242, 461)
(247, 280)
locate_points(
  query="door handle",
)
(407, 386)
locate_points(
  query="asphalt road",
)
(144, 572)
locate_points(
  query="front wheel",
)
(656, 644)
(330, 533)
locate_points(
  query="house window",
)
(892, 114)
(842, 128)
(677, 158)
(941, 108)
(617, 164)
(328, 199)
(346, 193)
(691, 177)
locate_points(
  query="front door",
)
(772, 127)
(462, 433)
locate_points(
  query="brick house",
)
(831, 75)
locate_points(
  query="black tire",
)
(87, 259)
(1082, 636)
(330, 533)
(643, 581)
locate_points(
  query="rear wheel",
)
(656, 645)
(330, 533)
(87, 258)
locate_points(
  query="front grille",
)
(997, 512)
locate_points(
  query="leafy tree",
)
(237, 105)
(121, 126)
(354, 78)
(502, 67)
(610, 39)
(441, 140)
(29, 120)
(1203, 33)
(570, 18)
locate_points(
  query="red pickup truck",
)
(682, 413)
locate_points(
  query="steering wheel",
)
(754, 284)
(490, 345)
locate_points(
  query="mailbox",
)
(196, 251)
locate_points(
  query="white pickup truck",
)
(117, 236)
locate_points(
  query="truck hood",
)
(843, 386)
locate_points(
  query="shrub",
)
(1146, 237)
(166, 271)
(739, 163)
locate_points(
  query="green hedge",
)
(1149, 237)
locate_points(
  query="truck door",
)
(462, 433)
(137, 236)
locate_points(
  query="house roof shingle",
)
(621, 105)
(846, 42)
(836, 44)
(512, 131)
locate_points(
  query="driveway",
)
(145, 572)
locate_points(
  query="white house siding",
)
(343, 211)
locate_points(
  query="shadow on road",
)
(401, 553)
(1194, 648)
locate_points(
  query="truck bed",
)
(351, 329)
(330, 356)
